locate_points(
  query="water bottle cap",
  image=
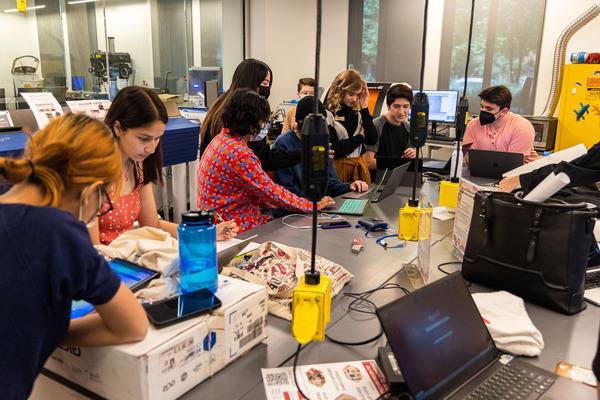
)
(197, 216)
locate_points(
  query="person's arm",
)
(121, 320)
(469, 139)
(371, 135)
(149, 213)
(346, 146)
(289, 120)
(335, 187)
(274, 159)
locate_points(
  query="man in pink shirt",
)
(497, 128)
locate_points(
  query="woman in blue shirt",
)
(46, 254)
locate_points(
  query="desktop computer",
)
(199, 92)
(442, 105)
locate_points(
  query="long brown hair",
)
(71, 152)
(136, 107)
(249, 74)
(349, 80)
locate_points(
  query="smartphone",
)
(181, 307)
(336, 224)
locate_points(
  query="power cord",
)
(439, 267)
(323, 216)
(296, 356)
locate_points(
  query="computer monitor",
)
(442, 105)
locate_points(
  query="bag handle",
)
(560, 205)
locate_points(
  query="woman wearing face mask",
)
(497, 128)
(138, 118)
(347, 101)
(306, 87)
(47, 257)
(256, 75)
(230, 177)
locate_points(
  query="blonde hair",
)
(71, 152)
(349, 80)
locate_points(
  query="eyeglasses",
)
(102, 197)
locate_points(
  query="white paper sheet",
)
(96, 109)
(564, 155)
(44, 107)
(353, 380)
(5, 120)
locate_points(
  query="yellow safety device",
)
(448, 194)
(21, 5)
(311, 309)
(410, 221)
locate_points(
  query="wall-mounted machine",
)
(119, 70)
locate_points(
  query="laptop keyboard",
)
(592, 280)
(512, 383)
(352, 206)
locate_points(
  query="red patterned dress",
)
(126, 210)
(232, 182)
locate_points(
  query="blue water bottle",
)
(197, 251)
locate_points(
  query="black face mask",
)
(264, 91)
(486, 118)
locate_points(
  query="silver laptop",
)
(383, 190)
(592, 285)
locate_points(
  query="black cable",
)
(361, 343)
(313, 245)
(423, 46)
(317, 57)
(439, 267)
(294, 371)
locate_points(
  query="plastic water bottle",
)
(453, 163)
(198, 265)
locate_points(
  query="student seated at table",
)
(393, 128)
(46, 254)
(137, 118)
(306, 87)
(291, 178)
(230, 178)
(499, 129)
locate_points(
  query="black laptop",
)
(444, 350)
(384, 162)
(492, 164)
(388, 183)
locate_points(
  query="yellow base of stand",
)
(448, 194)
(410, 219)
(311, 310)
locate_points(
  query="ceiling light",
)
(28, 8)
(81, 1)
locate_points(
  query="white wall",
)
(559, 14)
(22, 27)
(435, 19)
(233, 46)
(283, 34)
(130, 23)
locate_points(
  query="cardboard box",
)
(170, 101)
(172, 360)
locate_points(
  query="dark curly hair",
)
(244, 112)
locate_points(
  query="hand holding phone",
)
(181, 307)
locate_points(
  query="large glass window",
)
(505, 48)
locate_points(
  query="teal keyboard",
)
(353, 206)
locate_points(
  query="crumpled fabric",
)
(279, 268)
(509, 324)
(151, 248)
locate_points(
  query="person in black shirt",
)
(393, 128)
(347, 102)
(249, 74)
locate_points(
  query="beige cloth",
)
(289, 120)
(509, 325)
(151, 248)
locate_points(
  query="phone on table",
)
(181, 307)
(336, 224)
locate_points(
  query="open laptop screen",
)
(438, 337)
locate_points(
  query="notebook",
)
(134, 276)
(444, 350)
(492, 164)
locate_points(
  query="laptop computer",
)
(444, 350)
(387, 185)
(492, 164)
(384, 162)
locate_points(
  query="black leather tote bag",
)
(537, 251)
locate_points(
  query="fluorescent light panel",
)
(28, 8)
(81, 1)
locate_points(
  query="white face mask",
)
(261, 135)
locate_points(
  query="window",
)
(504, 51)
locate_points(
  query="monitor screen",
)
(437, 325)
(198, 75)
(442, 105)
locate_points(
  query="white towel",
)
(507, 321)
(154, 249)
